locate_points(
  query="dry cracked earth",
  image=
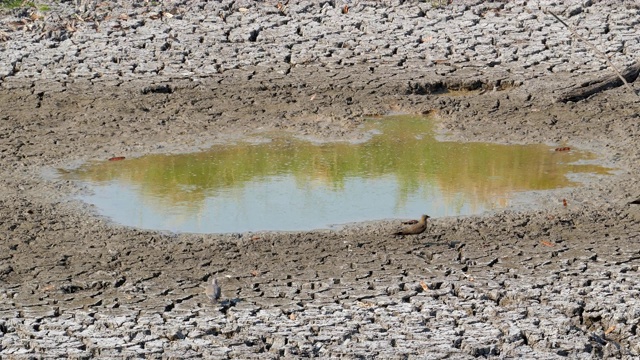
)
(84, 81)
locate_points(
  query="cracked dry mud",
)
(539, 281)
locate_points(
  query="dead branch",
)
(605, 85)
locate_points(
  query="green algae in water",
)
(290, 184)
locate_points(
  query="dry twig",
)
(600, 53)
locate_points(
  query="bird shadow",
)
(231, 302)
(225, 305)
(435, 241)
(426, 239)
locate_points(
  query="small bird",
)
(213, 291)
(415, 229)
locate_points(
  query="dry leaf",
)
(345, 9)
(243, 9)
(71, 27)
(425, 287)
(426, 39)
(255, 238)
(470, 278)
(546, 243)
(312, 97)
(610, 329)
(116, 158)
(49, 287)
(16, 25)
(365, 304)
(254, 272)
(292, 316)
(564, 202)
(282, 7)
(123, 17)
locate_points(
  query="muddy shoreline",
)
(542, 282)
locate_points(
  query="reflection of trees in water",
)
(472, 173)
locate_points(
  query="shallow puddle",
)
(290, 184)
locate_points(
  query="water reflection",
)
(289, 184)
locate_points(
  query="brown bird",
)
(213, 291)
(415, 229)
